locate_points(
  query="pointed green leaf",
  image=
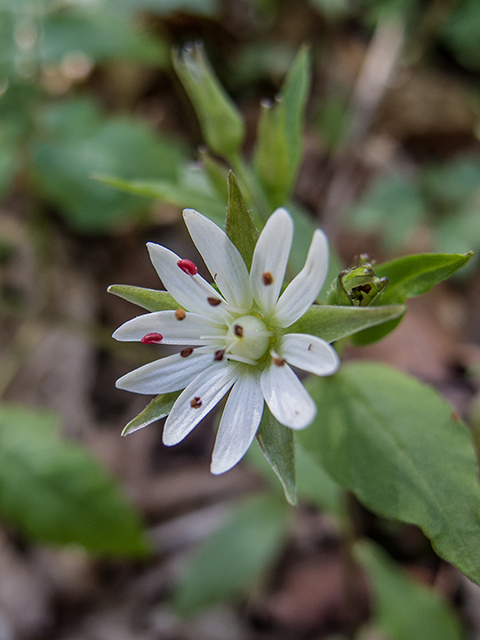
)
(279, 448)
(56, 492)
(403, 608)
(396, 444)
(409, 277)
(158, 408)
(333, 322)
(221, 122)
(240, 227)
(178, 195)
(149, 299)
(231, 561)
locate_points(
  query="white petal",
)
(305, 287)
(286, 397)
(271, 257)
(190, 330)
(208, 389)
(184, 288)
(239, 423)
(309, 353)
(167, 374)
(222, 258)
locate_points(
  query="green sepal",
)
(395, 592)
(332, 322)
(150, 299)
(278, 446)
(409, 277)
(157, 409)
(240, 227)
(397, 445)
(221, 122)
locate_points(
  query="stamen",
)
(278, 361)
(188, 267)
(214, 302)
(241, 359)
(184, 353)
(310, 346)
(196, 403)
(238, 331)
(180, 314)
(152, 338)
(218, 355)
(267, 278)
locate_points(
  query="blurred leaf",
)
(453, 182)
(221, 122)
(396, 444)
(150, 299)
(392, 207)
(460, 33)
(409, 277)
(230, 562)
(198, 7)
(157, 409)
(334, 322)
(314, 484)
(277, 444)
(65, 162)
(56, 492)
(460, 231)
(240, 227)
(404, 608)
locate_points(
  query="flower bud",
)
(358, 286)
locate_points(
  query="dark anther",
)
(238, 331)
(180, 314)
(218, 355)
(186, 352)
(267, 278)
(196, 403)
(214, 302)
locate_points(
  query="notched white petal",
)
(184, 328)
(286, 396)
(198, 399)
(309, 353)
(221, 257)
(270, 259)
(189, 291)
(167, 374)
(239, 423)
(305, 287)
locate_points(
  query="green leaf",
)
(278, 446)
(279, 138)
(314, 484)
(240, 227)
(409, 277)
(56, 492)
(332, 322)
(396, 444)
(170, 192)
(404, 609)
(231, 561)
(221, 122)
(149, 299)
(157, 409)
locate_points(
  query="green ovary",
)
(248, 337)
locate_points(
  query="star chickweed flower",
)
(235, 339)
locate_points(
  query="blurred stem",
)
(27, 337)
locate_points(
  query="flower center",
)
(248, 337)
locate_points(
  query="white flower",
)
(236, 340)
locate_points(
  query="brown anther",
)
(188, 267)
(238, 331)
(152, 338)
(267, 278)
(184, 353)
(310, 346)
(196, 403)
(218, 355)
(278, 361)
(214, 302)
(180, 314)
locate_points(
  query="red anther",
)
(152, 338)
(187, 266)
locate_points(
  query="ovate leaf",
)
(403, 608)
(56, 492)
(279, 448)
(235, 557)
(396, 444)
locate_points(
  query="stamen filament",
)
(230, 356)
